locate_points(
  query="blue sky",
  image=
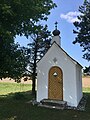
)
(64, 14)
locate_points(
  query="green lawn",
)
(86, 90)
(12, 109)
(6, 88)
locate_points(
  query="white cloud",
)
(70, 16)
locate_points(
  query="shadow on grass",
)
(13, 109)
(88, 101)
(14, 105)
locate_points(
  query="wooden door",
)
(55, 83)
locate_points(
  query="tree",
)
(12, 61)
(18, 17)
(83, 29)
(37, 49)
(87, 70)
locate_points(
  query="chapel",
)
(59, 76)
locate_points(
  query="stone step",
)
(57, 104)
(52, 107)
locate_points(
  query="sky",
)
(65, 14)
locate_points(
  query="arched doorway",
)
(55, 83)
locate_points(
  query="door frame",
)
(61, 78)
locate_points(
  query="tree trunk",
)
(34, 70)
(33, 84)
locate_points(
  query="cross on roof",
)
(56, 23)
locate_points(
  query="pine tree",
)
(37, 49)
(83, 29)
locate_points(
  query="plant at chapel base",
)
(39, 46)
(18, 17)
(83, 29)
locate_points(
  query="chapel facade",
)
(59, 76)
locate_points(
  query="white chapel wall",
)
(69, 70)
(79, 83)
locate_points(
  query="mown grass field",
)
(6, 88)
(86, 90)
(19, 109)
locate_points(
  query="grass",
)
(12, 109)
(6, 88)
(86, 90)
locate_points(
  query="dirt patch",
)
(86, 81)
(13, 81)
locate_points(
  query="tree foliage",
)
(12, 60)
(87, 70)
(18, 17)
(83, 29)
(41, 43)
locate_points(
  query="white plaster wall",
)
(79, 83)
(56, 39)
(69, 75)
(42, 82)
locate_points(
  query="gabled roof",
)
(73, 60)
